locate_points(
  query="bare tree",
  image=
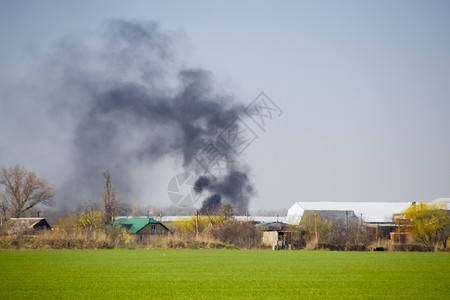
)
(22, 190)
(227, 211)
(109, 208)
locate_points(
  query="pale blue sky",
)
(364, 87)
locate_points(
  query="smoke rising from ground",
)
(126, 101)
(235, 188)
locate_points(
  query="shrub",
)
(180, 241)
(188, 227)
(238, 233)
(428, 223)
(412, 248)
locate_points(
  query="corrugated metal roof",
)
(274, 226)
(262, 219)
(134, 224)
(258, 219)
(18, 225)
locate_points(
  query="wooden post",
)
(346, 222)
(196, 222)
(315, 226)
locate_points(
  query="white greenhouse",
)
(370, 212)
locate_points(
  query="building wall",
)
(159, 229)
(294, 214)
(270, 238)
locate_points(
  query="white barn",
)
(370, 212)
(445, 202)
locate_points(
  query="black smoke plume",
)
(133, 104)
(234, 188)
(211, 205)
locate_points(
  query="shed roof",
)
(274, 226)
(22, 225)
(134, 225)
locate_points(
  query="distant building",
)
(341, 216)
(142, 226)
(379, 216)
(444, 201)
(16, 226)
(276, 235)
(255, 219)
(261, 219)
(376, 213)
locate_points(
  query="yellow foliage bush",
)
(92, 220)
(427, 223)
(189, 226)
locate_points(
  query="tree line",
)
(22, 190)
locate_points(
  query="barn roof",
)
(445, 201)
(134, 225)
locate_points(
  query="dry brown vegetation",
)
(87, 231)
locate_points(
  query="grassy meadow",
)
(215, 274)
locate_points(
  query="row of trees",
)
(426, 224)
(315, 232)
(220, 226)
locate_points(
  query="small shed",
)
(142, 226)
(16, 226)
(276, 234)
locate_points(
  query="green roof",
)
(134, 224)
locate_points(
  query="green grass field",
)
(212, 274)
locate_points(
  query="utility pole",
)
(346, 221)
(196, 222)
(316, 216)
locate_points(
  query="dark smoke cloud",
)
(131, 104)
(234, 188)
(211, 205)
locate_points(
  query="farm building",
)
(444, 201)
(276, 234)
(142, 226)
(15, 226)
(379, 216)
(376, 213)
